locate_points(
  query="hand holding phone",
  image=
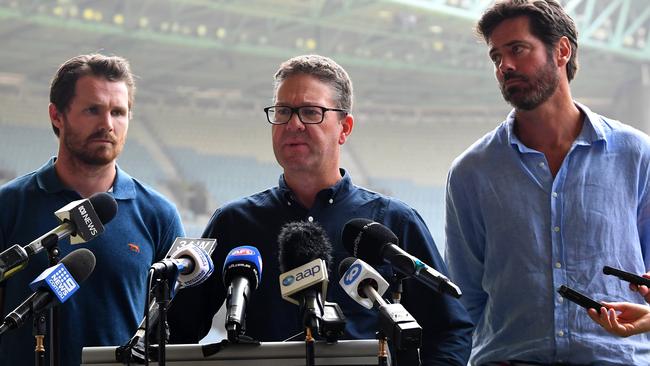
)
(578, 298)
(627, 276)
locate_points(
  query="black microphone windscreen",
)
(105, 206)
(364, 239)
(345, 264)
(80, 263)
(301, 242)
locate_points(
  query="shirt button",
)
(560, 333)
(288, 203)
(310, 219)
(560, 299)
(542, 164)
(554, 194)
(556, 229)
(331, 201)
(558, 265)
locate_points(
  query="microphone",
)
(81, 220)
(242, 273)
(304, 251)
(365, 286)
(55, 285)
(375, 243)
(362, 282)
(188, 266)
(188, 249)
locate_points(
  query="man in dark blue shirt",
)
(311, 120)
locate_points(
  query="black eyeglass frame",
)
(296, 110)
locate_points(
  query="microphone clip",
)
(311, 308)
(333, 322)
(399, 326)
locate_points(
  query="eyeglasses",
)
(309, 114)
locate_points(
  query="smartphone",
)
(626, 276)
(578, 298)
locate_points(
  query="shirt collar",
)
(48, 180)
(592, 129)
(336, 192)
(124, 185)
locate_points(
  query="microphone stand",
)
(398, 326)
(50, 243)
(396, 285)
(312, 316)
(163, 296)
(412, 356)
(309, 347)
(39, 330)
(382, 355)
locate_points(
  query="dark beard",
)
(530, 97)
(80, 151)
(91, 158)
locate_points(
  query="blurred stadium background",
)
(424, 87)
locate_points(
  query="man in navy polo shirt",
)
(91, 99)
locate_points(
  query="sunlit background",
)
(424, 87)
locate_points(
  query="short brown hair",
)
(64, 83)
(323, 68)
(548, 22)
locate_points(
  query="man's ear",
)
(347, 123)
(55, 116)
(563, 52)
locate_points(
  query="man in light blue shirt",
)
(547, 199)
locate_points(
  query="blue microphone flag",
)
(58, 280)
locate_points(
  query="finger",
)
(612, 321)
(597, 317)
(612, 324)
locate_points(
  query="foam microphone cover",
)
(365, 239)
(301, 242)
(80, 263)
(105, 206)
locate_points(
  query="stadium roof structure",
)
(402, 54)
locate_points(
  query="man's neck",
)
(306, 186)
(83, 178)
(553, 124)
(550, 128)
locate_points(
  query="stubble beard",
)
(79, 149)
(529, 97)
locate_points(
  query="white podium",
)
(342, 353)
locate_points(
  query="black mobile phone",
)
(626, 276)
(578, 298)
